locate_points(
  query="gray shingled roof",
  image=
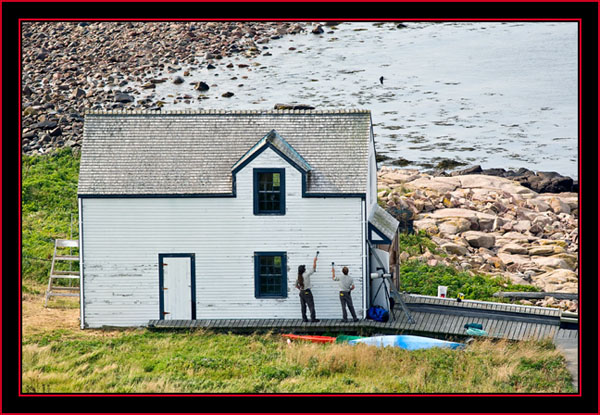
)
(383, 221)
(280, 144)
(147, 153)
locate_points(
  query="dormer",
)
(269, 193)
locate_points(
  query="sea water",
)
(498, 94)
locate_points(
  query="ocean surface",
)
(495, 94)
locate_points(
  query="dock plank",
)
(432, 320)
(446, 325)
(503, 328)
(525, 331)
(443, 322)
(509, 329)
(493, 325)
(456, 325)
(439, 323)
(515, 331)
(427, 322)
(544, 332)
(443, 316)
(463, 320)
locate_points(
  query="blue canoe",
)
(406, 342)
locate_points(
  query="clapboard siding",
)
(123, 237)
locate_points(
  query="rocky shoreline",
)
(492, 225)
(70, 67)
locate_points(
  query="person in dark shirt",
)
(303, 283)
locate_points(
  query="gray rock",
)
(544, 250)
(521, 226)
(479, 239)
(317, 30)
(44, 125)
(178, 80)
(468, 170)
(494, 172)
(202, 86)
(455, 249)
(513, 248)
(550, 262)
(454, 226)
(78, 93)
(283, 107)
(123, 97)
(56, 132)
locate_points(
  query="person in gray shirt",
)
(346, 286)
(304, 285)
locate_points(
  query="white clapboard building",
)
(208, 214)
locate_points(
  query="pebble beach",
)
(70, 67)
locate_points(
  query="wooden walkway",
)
(433, 317)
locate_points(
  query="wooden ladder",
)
(60, 255)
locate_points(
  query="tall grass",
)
(201, 361)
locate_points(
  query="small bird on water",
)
(381, 80)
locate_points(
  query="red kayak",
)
(314, 339)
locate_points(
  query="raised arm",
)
(315, 264)
(332, 272)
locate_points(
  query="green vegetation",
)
(48, 199)
(202, 361)
(417, 244)
(419, 278)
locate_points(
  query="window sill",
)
(271, 297)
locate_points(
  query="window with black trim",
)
(269, 191)
(270, 275)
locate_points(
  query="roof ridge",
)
(222, 112)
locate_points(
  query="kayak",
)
(314, 339)
(345, 338)
(406, 342)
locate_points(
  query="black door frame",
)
(161, 291)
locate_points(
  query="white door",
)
(177, 288)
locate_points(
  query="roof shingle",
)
(146, 153)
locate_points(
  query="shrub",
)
(416, 244)
(419, 278)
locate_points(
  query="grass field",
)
(59, 357)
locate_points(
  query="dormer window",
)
(269, 191)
